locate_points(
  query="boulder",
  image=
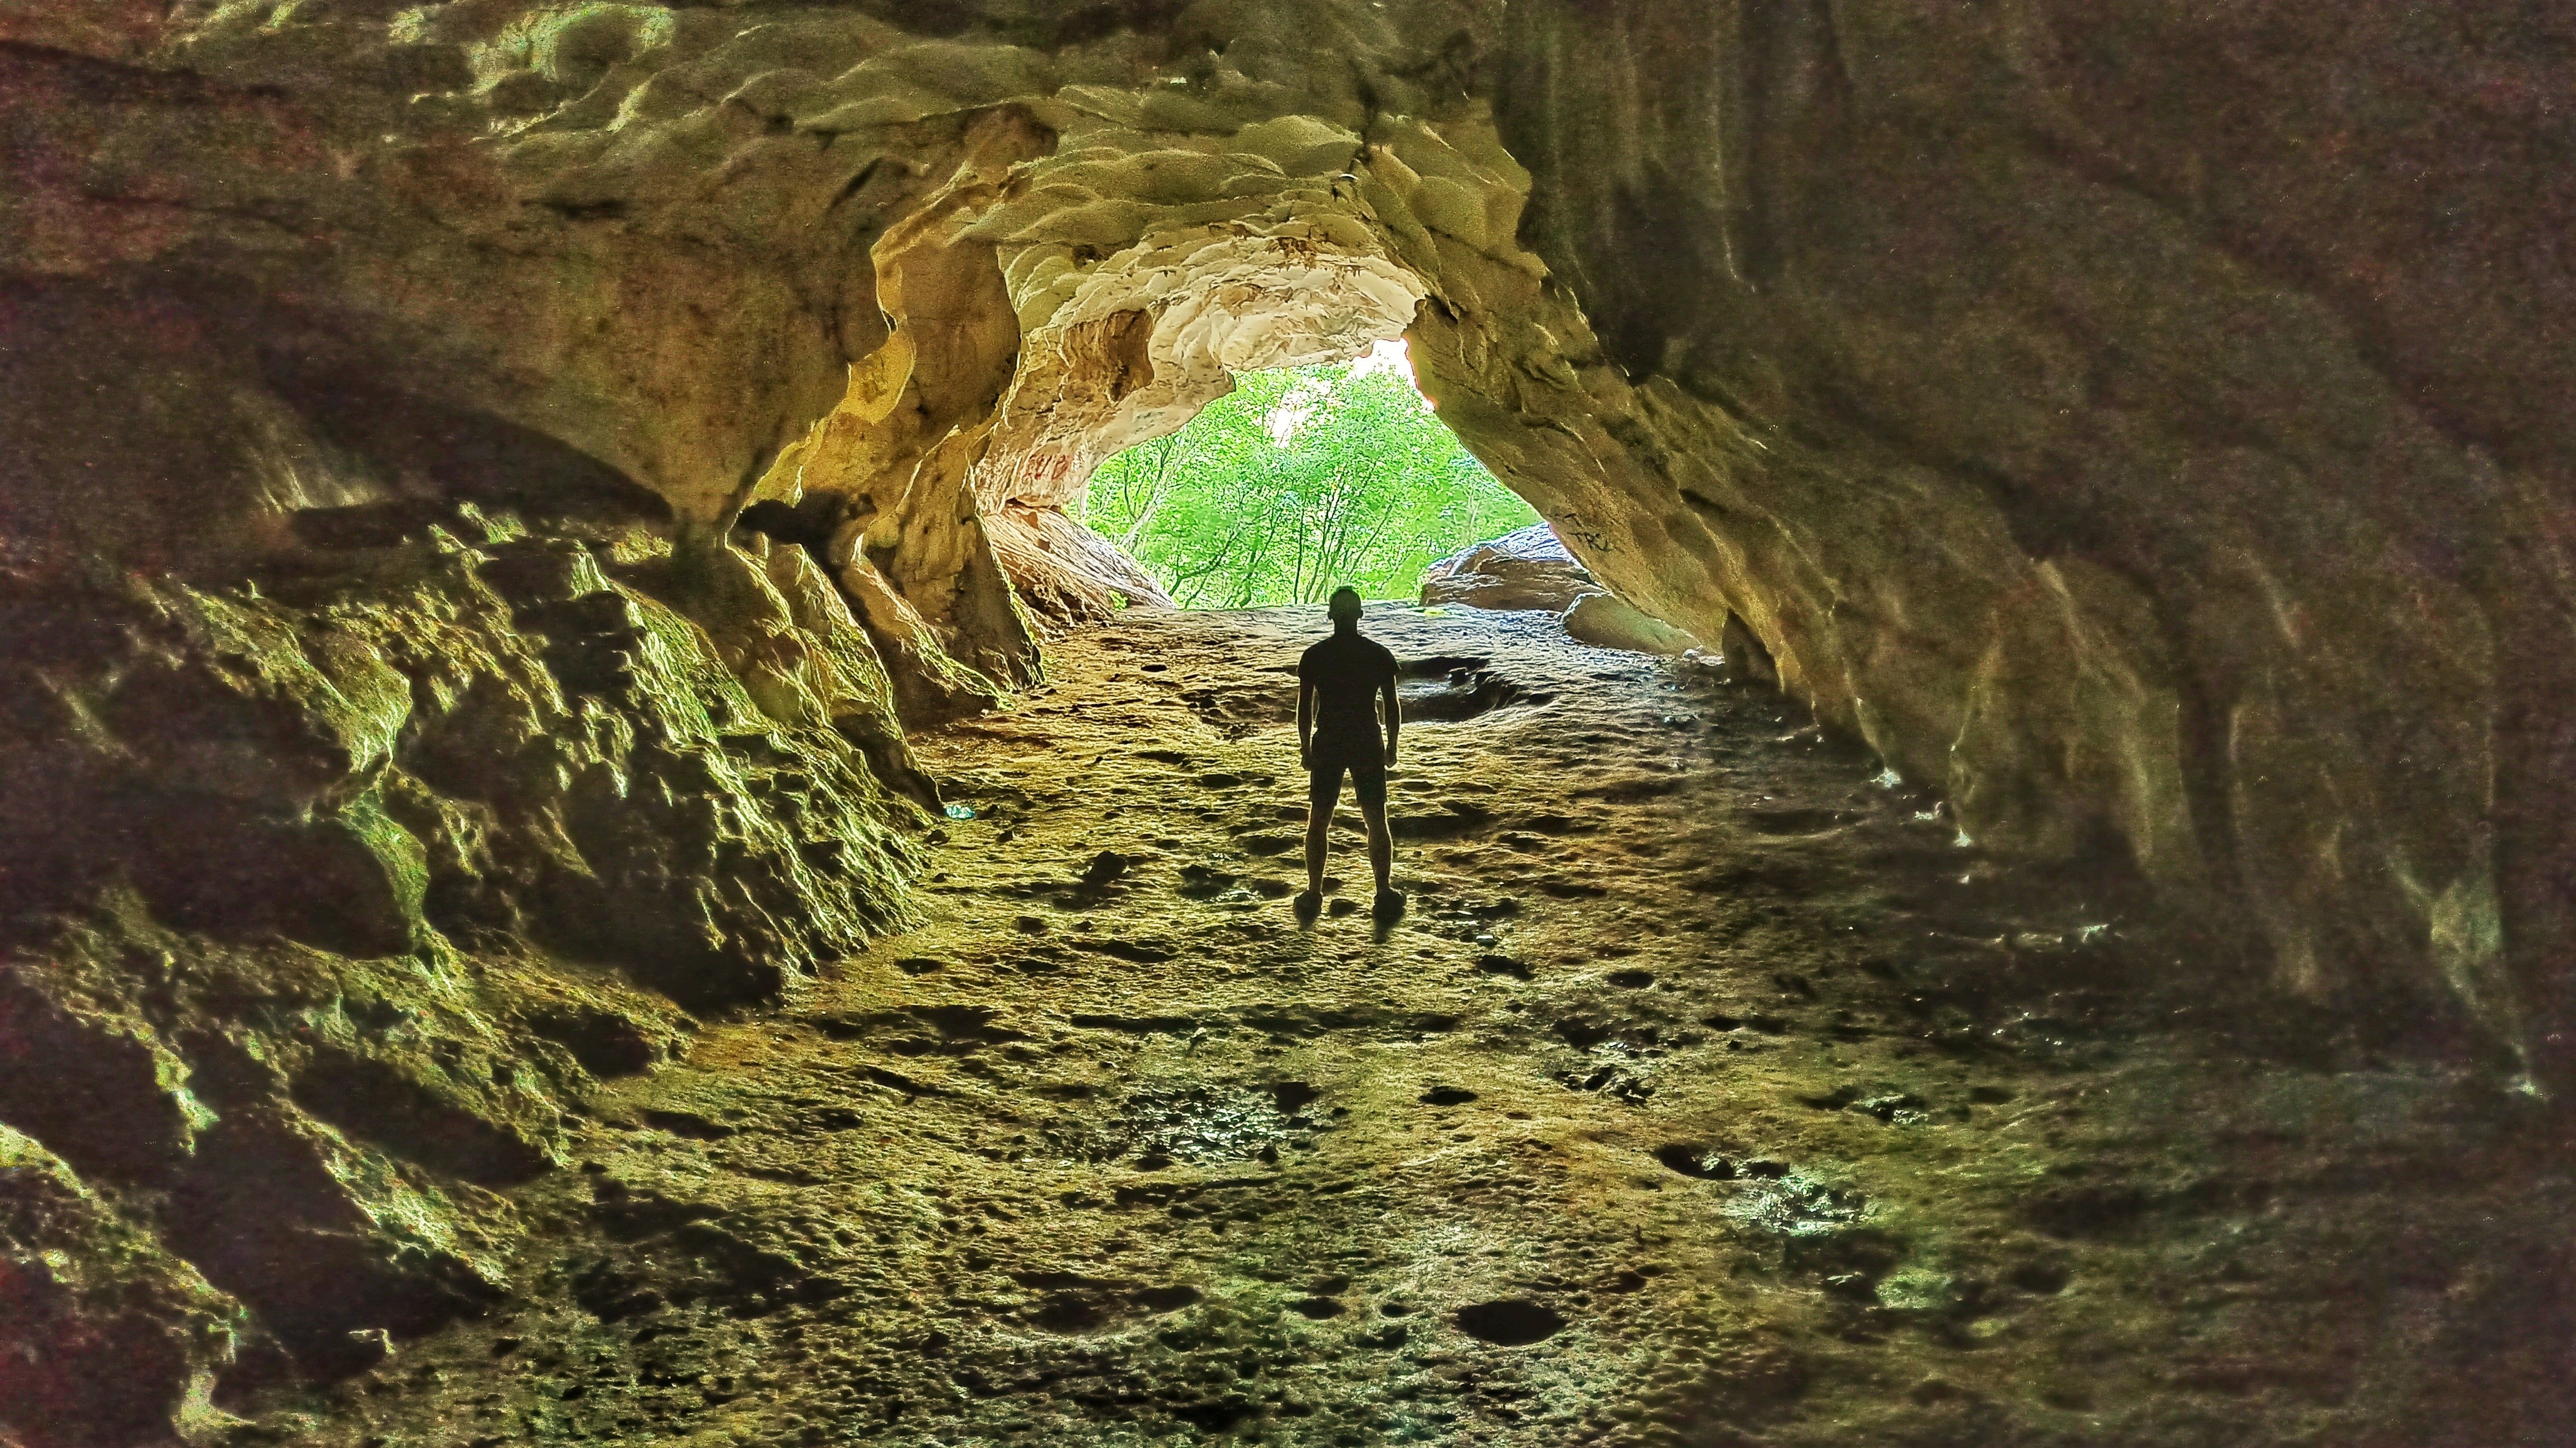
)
(1527, 569)
(1604, 621)
(1063, 570)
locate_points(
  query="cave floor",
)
(1710, 1093)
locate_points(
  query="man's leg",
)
(1323, 791)
(1369, 788)
(1381, 843)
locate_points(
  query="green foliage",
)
(1297, 482)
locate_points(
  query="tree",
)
(1297, 482)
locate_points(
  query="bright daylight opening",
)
(1299, 481)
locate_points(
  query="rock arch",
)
(379, 385)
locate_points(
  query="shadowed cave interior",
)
(591, 854)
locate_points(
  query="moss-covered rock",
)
(105, 1335)
(2143, 424)
(334, 886)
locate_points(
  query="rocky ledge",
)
(333, 892)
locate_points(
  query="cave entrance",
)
(1297, 481)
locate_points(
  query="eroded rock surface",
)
(1531, 569)
(333, 894)
(1708, 1092)
(1607, 621)
(2125, 419)
(2125, 470)
(2141, 426)
(1527, 569)
(104, 1336)
(2215, 508)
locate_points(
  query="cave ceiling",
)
(2143, 426)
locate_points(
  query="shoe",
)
(1308, 904)
(1390, 904)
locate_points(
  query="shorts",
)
(1324, 786)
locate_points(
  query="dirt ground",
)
(1710, 1092)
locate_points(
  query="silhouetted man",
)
(1340, 683)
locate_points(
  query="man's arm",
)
(1394, 714)
(1305, 723)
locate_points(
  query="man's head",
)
(1343, 606)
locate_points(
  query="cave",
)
(592, 853)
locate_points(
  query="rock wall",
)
(2126, 419)
(330, 891)
(2138, 424)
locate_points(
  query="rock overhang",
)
(2094, 464)
(662, 237)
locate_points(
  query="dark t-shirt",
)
(1346, 671)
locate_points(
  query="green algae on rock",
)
(105, 1335)
(382, 857)
(2142, 424)
(2066, 458)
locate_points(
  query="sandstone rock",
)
(357, 836)
(1744, 657)
(384, 385)
(1527, 569)
(104, 1336)
(1605, 621)
(1948, 517)
(1064, 570)
(2064, 631)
